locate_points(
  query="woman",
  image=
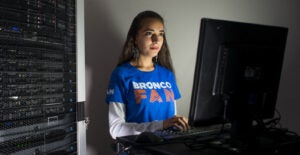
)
(142, 91)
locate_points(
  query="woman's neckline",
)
(148, 70)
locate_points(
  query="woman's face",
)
(150, 37)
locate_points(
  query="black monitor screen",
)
(237, 72)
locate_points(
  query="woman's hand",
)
(178, 122)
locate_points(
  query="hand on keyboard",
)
(177, 122)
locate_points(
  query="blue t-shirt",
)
(148, 96)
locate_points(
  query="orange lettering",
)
(139, 95)
(154, 96)
(169, 95)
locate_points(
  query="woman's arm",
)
(119, 127)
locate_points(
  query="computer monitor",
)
(237, 73)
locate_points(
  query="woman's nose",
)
(155, 38)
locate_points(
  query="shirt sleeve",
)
(118, 127)
(116, 89)
(176, 91)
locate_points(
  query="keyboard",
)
(191, 133)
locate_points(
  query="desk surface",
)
(287, 144)
(178, 149)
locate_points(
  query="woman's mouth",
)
(154, 48)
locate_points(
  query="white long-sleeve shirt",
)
(118, 127)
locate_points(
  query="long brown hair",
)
(163, 58)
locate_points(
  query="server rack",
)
(40, 107)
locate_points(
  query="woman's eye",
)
(148, 33)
